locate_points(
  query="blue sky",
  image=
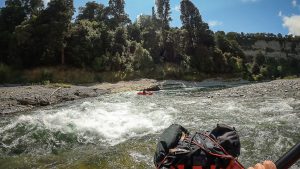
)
(248, 16)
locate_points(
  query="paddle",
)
(291, 157)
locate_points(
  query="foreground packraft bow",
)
(207, 146)
(218, 149)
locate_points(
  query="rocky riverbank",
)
(15, 99)
(24, 98)
(285, 88)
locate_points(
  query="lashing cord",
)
(226, 155)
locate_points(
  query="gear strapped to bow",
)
(218, 149)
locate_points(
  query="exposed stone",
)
(16, 98)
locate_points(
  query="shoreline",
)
(17, 99)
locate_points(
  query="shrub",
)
(255, 69)
(264, 72)
(98, 64)
(142, 59)
(258, 77)
(46, 75)
(5, 72)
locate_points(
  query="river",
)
(121, 130)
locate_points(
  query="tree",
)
(163, 18)
(93, 12)
(120, 41)
(32, 7)
(198, 30)
(153, 13)
(219, 61)
(222, 42)
(117, 14)
(84, 43)
(255, 69)
(163, 13)
(53, 25)
(12, 15)
(134, 32)
(16, 11)
(199, 38)
(260, 59)
(142, 59)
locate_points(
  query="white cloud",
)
(215, 23)
(292, 23)
(294, 3)
(280, 13)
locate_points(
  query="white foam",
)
(276, 106)
(138, 157)
(113, 122)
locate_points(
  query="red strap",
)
(197, 167)
(235, 165)
(180, 166)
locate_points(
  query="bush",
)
(258, 77)
(255, 69)
(264, 71)
(98, 64)
(46, 75)
(142, 59)
(5, 72)
(260, 59)
(236, 64)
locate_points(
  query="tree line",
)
(103, 38)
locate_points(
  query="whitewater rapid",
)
(121, 130)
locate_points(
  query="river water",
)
(121, 130)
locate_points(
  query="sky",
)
(248, 16)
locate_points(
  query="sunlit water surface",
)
(121, 130)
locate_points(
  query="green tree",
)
(93, 12)
(142, 59)
(199, 38)
(117, 14)
(222, 42)
(120, 43)
(219, 61)
(260, 59)
(134, 32)
(198, 31)
(16, 11)
(33, 7)
(15, 15)
(12, 15)
(163, 13)
(255, 69)
(21, 51)
(53, 25)
(82, 49)
(163, 18)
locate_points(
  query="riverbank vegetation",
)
(46, 43)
